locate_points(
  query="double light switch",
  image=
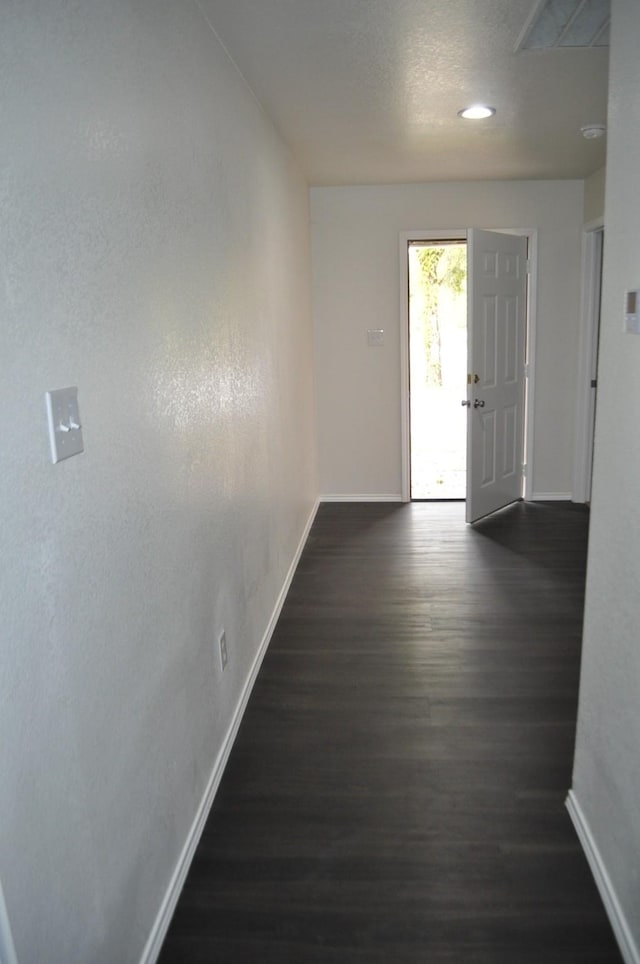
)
(65, 428)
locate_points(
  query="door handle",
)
(478, 403)
(465, 402)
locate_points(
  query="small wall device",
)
(632, 312)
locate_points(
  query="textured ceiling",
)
(367, 91)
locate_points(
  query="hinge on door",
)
(526, 370)
(524, 470)
(527, 265)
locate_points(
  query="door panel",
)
(497, 292)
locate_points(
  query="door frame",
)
(452, 234)
(591, 284)
(7, 947)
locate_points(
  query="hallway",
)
(396, 792)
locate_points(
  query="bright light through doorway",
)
(438, 368)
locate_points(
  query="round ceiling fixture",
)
(476, 112)
(591, 131)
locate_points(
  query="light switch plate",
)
(65, 427)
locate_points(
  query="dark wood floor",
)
(396, 792)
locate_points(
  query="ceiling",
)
(367, 91)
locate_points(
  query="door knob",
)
(478, 403)
(465, 402)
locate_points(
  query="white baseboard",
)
(373, 497)
(361, 498)
(397, 497)
(161, 925)
(615, 913)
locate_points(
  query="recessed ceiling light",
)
(477, 112)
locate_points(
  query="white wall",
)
(606, 779)
(594, 196)
(155, 253)
(355, 233)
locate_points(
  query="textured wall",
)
(356, 279)
(155, 253)
(606, 779)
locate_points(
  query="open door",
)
(496, 330)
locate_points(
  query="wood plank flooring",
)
(396, 792)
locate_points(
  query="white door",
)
(496, 329)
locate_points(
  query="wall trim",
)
(161, 924)
(615, 913)
(7, 948)
(369, 497)
(591, 283)
(361, 498)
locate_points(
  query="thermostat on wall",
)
(632, 312)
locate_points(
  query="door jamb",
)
(592, 240)
(451, 235)
(7, 947)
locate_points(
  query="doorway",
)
(437, 277)
(470, 391)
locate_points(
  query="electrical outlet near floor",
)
(224, 656)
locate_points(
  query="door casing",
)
(7, 947)
(451, 234)
(592, 242)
